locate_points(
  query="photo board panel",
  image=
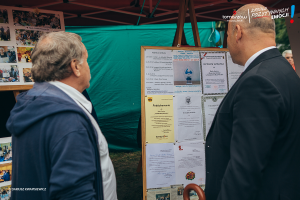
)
(20, 30)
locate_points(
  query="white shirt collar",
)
(74, 94)
(252, 58)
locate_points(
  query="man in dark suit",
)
(253, 146)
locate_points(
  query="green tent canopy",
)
(114, 60)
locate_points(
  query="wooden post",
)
(225, 36)
(139, 168)
(16, 89)
(194, 24)
(16, 93)
(179, 38)
(143, 122)
(180, 22)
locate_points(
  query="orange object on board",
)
(196, 188)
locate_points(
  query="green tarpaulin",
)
(114, 60)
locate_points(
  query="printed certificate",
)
(214, 74)
(190, 162)
(210, 105)
(159, 119)
(160, 165)
(188, 117)
(158, 72)
(234, 70)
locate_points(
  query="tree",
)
(282, 38)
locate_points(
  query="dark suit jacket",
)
(253, 146)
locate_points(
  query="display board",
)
(20, 29)
(181, 89)
(5, 167)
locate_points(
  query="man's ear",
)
(238, 33)
(75, 67)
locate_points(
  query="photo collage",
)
(20, 30)
(5, 168)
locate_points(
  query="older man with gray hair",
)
(288, 55)
(253, 146)
(55, 140)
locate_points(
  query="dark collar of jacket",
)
(272, 53)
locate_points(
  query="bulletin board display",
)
(20, 29)
(181, 89)
(5, 167)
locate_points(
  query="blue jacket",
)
(6, 177)
(55, 147)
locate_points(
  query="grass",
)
(129, 182)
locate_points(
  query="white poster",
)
(188, 117)
(234, 70)
(190, 162)
(160, 165)
(214, 73)
(186, 72)
(210, 106)
(158, 72)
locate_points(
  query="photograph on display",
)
(3, 16)
(173, 192)
(5, 172)
(7, 54)
(27, 75)
(4, 33)
(27, 37)
(9, 73)
(24, 54)
(27, 18)
(5, 152)
(180, 190)
(5, 192)
(193, 195)
(186, 73)
(165, 196)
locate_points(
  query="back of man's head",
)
(250, 30)
(255, 19)
(53, 54)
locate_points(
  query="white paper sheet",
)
(234, 70)
(214, 74)
(188, 117)
(190, 162)
(160, 165)
(210, 106)
(158, 72)
(186, 72)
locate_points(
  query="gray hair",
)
(53, 54)
(285, 52)
(264, 24)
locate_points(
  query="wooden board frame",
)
(15, 87)
(143, 120)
